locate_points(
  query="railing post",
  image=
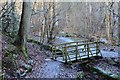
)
(98, 48)
(65, 53)
(88, 49)
(76, 50)
(52, 52)
(55, 52)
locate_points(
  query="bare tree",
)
(24, 26)
(119, 23)
(108, 22)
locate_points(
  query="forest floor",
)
(44, 67)
(55, 69)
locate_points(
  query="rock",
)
(62, 69)
(47, 59)
(96, 76)
(66, 75)
(110, 61)
(75, 67)
(81, 74)
(15, 56)
(112, 49)
(21, 73)
(115, 59)
(95, 73)
(30, 62)
(61, 74)
(26, 66)
(105, 49)
(78, 70)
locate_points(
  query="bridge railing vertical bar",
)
(87, 45)
(98, 48)
(90, 49)
(63, 53)
(77, 51)
(53, 52)
(65, 50)
(68, 56)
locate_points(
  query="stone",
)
(30, 62)
(81, 74)
(26, 66)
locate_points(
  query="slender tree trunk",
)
(119, 32)
(44, 24)
(52, 23)
(119, 23)
(24, 25)
(108, 23)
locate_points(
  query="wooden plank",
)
(70, 42)
(76, 42)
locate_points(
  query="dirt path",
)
(54, 69)
(50, 69)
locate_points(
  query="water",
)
(65, 39)
(69, 40)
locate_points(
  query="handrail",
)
(76, 42)
(70, 42)
(81, 44)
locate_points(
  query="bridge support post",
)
(87, 49)
(65, 54)
(98, 49)
(53, 52)
(77, 51)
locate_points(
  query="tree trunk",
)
(119, 23)
(119, 31)
(52, 22)
(44, 24)
(108, 23)
(24, 25)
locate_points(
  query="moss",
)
(47, 47)
(81, 75)
(93, 69)
(2, 76)
(24, 50)
(34, 41)
(117, 77)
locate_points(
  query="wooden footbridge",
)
(75, 51)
